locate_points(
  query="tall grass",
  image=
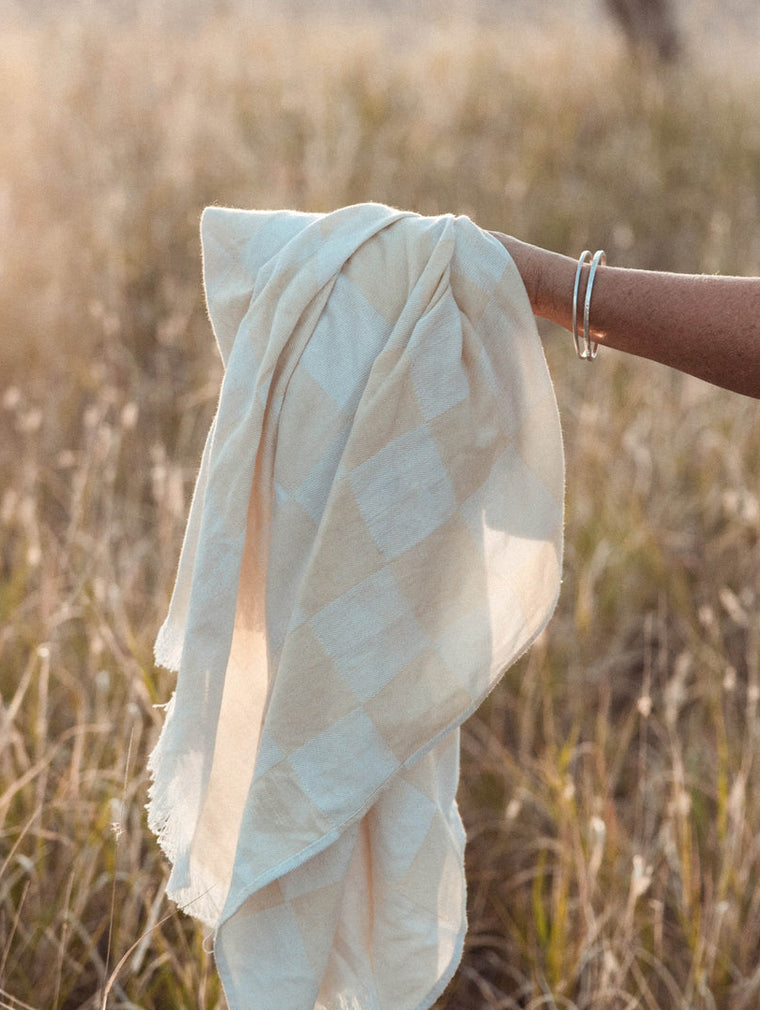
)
(609, 784)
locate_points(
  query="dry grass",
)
(609, 783)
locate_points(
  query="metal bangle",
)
(590, 348)
(584, 346)
(582, 352)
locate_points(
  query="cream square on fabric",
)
(375, 534)
(279, 939)
(414, 689)
(323, 770)
(404, 491)
(401, 831)
(349, 536)
(336, 355)
(370, 633)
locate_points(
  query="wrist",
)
(548, 278)
(554, 288)
(524, 258)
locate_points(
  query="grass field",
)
(609, 784)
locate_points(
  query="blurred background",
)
(609, 783)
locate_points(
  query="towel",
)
(375, 535)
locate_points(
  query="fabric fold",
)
(375, 534)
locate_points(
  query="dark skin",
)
(706, 325)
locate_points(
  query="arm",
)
(708, 326)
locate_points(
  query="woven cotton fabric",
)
(375, 535)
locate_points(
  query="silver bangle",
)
(584, 346)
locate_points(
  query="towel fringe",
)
(168, 647)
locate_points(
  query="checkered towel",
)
(375, 534)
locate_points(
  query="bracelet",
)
(585, 346)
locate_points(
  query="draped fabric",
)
(375, 535)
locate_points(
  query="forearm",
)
(705, 325)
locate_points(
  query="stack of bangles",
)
(584, 345)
